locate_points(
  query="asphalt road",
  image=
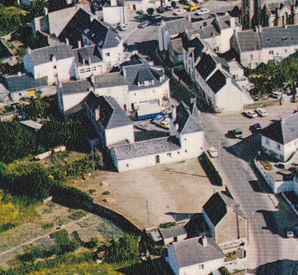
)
(268, 216)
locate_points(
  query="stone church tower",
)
(269, 13)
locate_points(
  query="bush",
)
(46, 226)
(167, 224)
(7, 226)
(174, 4)
(77, 215)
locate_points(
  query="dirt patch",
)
(148, 197)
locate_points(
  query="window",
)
(127, 165)
(55, 67)
(278, 146)
(82, 71)
(185, 151)
(286, 50)
(87, 70)
(107, 54)
(93, 69)
(251, 56)
(201, 266)
(86, 62)
(271, 52)
(178, 153)
(169, 154)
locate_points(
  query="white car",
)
(261, 112)
(250, 113)
(159, 118)
(202, 11)
(212, 151)
(179, 11)
(276, 95)
(122, 27)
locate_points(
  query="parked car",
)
(290, 234)
(250, 113)
(276, 95)
(161, 117)
(202, 11)
(165, 123)
(236, 133)
(122, 27)
(179, 11)
(161, 9)
(256, 128)
(261, 112)
(144, 24)
(212, 151)
(168, 8)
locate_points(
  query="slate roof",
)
(188, 119)
(177, 26)
(142, 72)
(190, 252)
(102, 34)
(217, 207)
(86, 53)
(283, 131)
(70, 88)
(173, 231)
(73, 30)
(15, 83)
(146, 148)
(206, 65)
(45, 54)
(109, 80)
(217, 81)
(111, 114)
(251, 40)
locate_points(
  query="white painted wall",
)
(118, 134)
(113, 56)
(114, 15)
(85, 71)
(65, 69)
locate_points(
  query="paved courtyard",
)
(155, 195)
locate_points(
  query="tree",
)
(53, 133)
(174, 4)
(16, 141)
(150, 11)
(125, 250)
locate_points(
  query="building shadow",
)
(180, 216)
(145, 48)
(280, 267)
(260, 187)
(145, 135)
(149, 267)
(246, 149)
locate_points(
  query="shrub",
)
(77, 215)
(46, 226)
(6, 226)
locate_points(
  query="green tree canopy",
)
(16, 141)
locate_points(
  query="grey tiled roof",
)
(75, 87)
(251, 40)
(173, 231)
(283, 131)
(279, 4)
(111, 114)
(44, 55)
(190, 252)
(86, 53)
(177, 26)
(109, 80)
(206, 65)
(146, 148)
(15, 83)
(188, 119)
(217, 207)
(142, 72)
(217, 81)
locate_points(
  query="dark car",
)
(161, 9)
(144, 24)
(256, 128)
(236, 133)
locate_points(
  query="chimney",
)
(45, 11)
(174, 112)
(203, 241)
(282, 120)
(260, 28)
(189, 17)
(19, 73)
(59, 84)
(66, 41)
(232, 22)
(79, 44)
(29, 50)
(113, 3)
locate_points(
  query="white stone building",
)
(186, 141)
(280, 139)
(221, 212)
(114, 12)
(196, 256)
(54, 62)
(137, 83)
(212, 75)
(217, 31)
(263, 45)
